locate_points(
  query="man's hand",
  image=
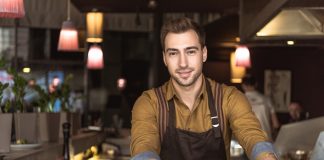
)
(267, 156)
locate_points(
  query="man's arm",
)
(247, 129)
(147, 155)
(144, 132)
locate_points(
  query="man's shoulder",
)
(226, 89)
(151, 92)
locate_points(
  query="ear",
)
(163, 54)
(204, 54)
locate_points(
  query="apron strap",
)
(218, 96)
(211, 105)
(163, 113)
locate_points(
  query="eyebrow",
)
(192, 47)
(188, 48)
(171, 49)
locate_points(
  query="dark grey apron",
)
(180, 144)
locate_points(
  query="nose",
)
(183, 61)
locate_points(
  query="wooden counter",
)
(52, 151)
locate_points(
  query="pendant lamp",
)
(242, 56)
(68, 40)
(237, 72)
(12, 9)
(94, 27)
(95, 57)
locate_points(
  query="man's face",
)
(294, 110)
(184, 57)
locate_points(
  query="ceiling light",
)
(242, 56)
(26, 70)
(94, 27)
(152, 4)
(68, 40)
(12, 8)
(237, 72)
(95, 57)
(290, 43)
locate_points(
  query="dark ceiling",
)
(121, 6)
(253, 14)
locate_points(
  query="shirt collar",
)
(171, 92)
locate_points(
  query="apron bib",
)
(180, 144)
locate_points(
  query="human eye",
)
(191, 52)
(172, 53)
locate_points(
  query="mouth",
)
(184, 74)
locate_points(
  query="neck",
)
(188, 94)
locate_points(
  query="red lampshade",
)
(95, 58)
(68, 40)
(12, 8)
(242, 56)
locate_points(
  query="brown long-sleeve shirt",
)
(239, 119)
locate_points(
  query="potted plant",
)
(25, 123)
(63, 95)
(24, 129)
(49, 121)
(5, 124)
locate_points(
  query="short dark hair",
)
(181, 25)
(249, 80)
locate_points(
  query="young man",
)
(261, 106)
(199, 115)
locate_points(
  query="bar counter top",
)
(53, 151)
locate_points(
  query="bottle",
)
(66, 139)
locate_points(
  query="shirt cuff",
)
(262, 147)
(146, 155)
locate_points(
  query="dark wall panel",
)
(306, 66)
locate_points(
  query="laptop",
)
(318, 151)
(299, 135)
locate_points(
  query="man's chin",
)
(184, 82)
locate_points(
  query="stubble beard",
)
(187, 82)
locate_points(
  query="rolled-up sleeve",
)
(147, 155)
(244, 124)
(261, 149)
(144, 130)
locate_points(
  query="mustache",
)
(181, 70)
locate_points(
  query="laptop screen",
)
(299, 135)
(318, 151)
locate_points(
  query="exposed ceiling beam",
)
(305, 4)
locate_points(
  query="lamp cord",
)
(68, 10)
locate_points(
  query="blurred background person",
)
(53, 86)
(31, 95)
(296, 112)
(261, 106)
(54, 90)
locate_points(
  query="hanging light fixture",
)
(242, 56)
(68, 40)
(94, 26)
(237, 72)
(95, 57)
(121, 83)
(12, 9)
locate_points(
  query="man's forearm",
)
(147, 155)
(263, 151)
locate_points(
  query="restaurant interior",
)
(117, 55)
